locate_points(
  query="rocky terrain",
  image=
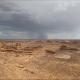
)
(40, 60)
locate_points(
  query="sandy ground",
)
(40, 60)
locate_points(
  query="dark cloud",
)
(19, 21)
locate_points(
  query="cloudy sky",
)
(39, 19)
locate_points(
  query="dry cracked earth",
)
(40, 60)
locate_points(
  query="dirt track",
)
(40, 59)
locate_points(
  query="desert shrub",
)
(31, 48)
(10, 47)
(49, 41)
(36, 47)
(28, 49)
(50, 51)
(64, 47)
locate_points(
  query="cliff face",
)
(40, 59)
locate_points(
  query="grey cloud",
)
(67, 21)
(20, 22)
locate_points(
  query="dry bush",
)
(64, 47)
(49, 41)
(10, 47)
(36, 47)
(50, 51)
(28, 49)
(31, 48)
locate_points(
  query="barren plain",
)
(39, 60)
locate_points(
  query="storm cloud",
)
(31, 19)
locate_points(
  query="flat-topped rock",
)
(62, 56)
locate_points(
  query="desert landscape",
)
(39, 60)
